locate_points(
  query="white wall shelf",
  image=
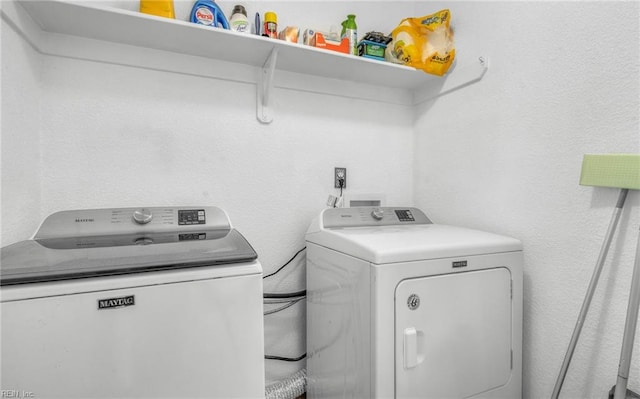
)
(130, 28)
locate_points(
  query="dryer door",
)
(453, 334)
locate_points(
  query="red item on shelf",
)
(319, 41)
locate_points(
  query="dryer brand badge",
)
(460, 263)
(120, 302)
(413, 302)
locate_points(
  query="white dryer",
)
(399, 307)
(133, 303)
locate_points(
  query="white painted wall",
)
(504, 155)
(20, 141)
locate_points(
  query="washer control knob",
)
(377, 213)
(142, 216)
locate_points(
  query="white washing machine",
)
(399, 307)
(133, 303)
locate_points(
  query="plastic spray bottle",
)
(350, 31)
(207, 12)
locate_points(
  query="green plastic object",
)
(611, 170)
(350, 31)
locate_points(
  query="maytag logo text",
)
(121, 302)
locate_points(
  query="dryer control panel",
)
(372, 216)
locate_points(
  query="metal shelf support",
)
(264, 86)
(457, 78)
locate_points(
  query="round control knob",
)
(377, 213)
(142, 216)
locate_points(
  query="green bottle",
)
(350, 31)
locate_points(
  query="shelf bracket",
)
(458, 78)
(264, 88)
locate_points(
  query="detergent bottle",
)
(207, 12)
(161, 8)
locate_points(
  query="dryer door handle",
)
(412, 347)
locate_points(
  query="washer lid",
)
(394, 241)
(91, 243)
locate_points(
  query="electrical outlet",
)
(340, 174)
